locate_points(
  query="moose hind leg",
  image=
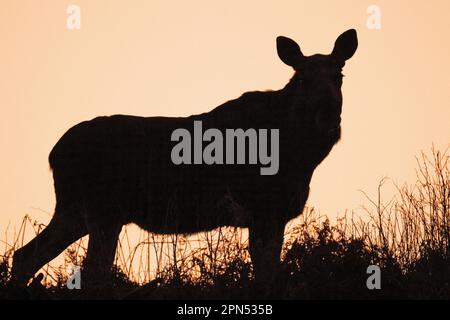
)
(100, 255)
(62, 231)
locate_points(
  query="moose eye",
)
(338, 77)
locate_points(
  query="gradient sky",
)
(184, 57)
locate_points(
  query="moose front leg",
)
(265, 243)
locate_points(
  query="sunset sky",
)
(177, 58)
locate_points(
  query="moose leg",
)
(265, 243)
(62, 231)
(100, 255)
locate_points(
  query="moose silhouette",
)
(112, 171)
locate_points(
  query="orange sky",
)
(130, 56)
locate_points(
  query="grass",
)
(408, 238)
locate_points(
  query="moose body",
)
(112, 171)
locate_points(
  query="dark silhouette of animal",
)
(112, 171)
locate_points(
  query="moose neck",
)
(292, 85)
(292, 103)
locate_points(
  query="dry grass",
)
(408, 237)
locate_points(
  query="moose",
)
(115, 170)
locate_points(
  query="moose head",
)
(318, 80)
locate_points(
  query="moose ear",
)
(346, 45)
(289, 52)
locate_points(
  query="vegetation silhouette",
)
(407, 236)
(112, 171)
